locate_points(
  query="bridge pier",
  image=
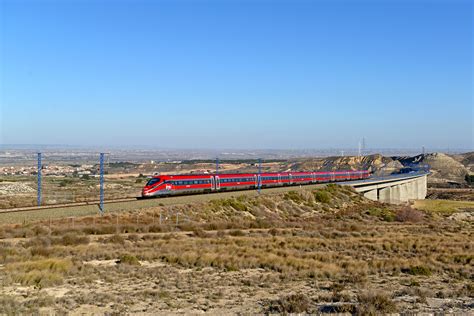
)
(394, 191)
(372, 195)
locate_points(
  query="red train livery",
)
(165, 185)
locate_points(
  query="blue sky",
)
(237, 74)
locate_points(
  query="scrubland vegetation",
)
(59, 190)
(313, 251)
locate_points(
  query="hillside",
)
(374, 163)
(467, 159)
(443, 167)
(310, 251)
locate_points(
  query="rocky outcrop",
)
(374, 163)
(467, 159)
(443, 167)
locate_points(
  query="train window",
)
(153, 181)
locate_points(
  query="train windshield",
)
(152, 181)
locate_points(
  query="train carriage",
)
(164, 185)
(178, 184)
(236, 181)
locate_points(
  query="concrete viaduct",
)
(393, 189)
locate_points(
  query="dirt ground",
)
(451, 194)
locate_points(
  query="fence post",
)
(101, 206)
(40, 167)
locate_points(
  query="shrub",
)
(116, 239)
(55, 265)
(40, 273)
(128, 259)
(322, 196)
(41, 251)
(236, 233)
(375, 304)
(238, 205)
(38, 242)
(382, 213)
(294, 303)
(293, 196)
(71, 239)
(273, 231)
(470, 178)
(36, 278)
(199, 232)
(408, 214)
(417, 270)
(65, 182)
(40, 230)
(133, 237)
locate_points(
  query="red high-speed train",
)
(165, 185)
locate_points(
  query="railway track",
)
(63, 205)
(130, 199)
(30, 214)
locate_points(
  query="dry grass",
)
(442, 206)
(375, 304)
(294, 303)
(289, 254)
(39, 273)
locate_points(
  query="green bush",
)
(322, 196)
(65, 182)
(332, 187)
(293, 196)
(234, 203)
(417, 270)
(382, 213)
